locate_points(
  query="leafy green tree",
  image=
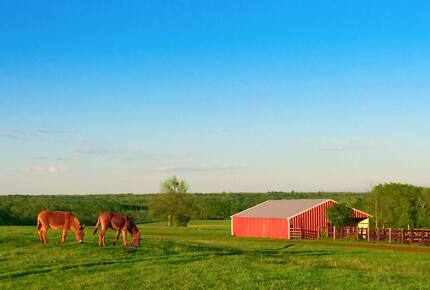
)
(174, 185)
(399, 205)
(340, 214)
(173, 202)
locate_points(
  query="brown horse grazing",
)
(59, 220)
(119, 223)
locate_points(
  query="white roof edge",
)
(325, 200)
(250, 207)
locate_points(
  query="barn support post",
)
(389, 235)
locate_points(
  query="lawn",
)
(201, 256)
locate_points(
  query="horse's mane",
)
(75, 220)
(131, 225)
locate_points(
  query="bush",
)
(182, 220)
(340, 214)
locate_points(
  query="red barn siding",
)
(260, 227)
(359, 214)
(316, 217)
(312, 219)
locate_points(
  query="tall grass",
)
(200, 256)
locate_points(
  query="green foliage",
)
(340, 214)
(174, 185)
(23, 209)
(181, 219)
(173, 201)
(399, 205)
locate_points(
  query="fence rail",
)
(298, 233)
(391, 235)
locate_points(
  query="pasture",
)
(202, 256)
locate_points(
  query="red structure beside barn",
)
(276, 218)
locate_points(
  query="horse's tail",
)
(97, 226)
(39, 225)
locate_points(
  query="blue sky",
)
(108, 97)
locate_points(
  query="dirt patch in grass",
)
(376, 246)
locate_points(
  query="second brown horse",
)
(119, 223)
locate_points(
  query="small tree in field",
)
(340, 214)
(173, 202)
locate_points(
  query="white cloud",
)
(13, 134)
(161, 156)
(219, 130)
(344, 146)
(55, 158)
(100, 150)
(47, 169)
(27, 134)
(199, 168)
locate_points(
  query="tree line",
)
(23, 209)
(391, 205)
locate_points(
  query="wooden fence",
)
(391, 235)
(298, 233)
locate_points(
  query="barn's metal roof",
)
(283, 208)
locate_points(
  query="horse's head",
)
(80, 234)
(135, 238)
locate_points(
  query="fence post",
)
(368, 233)
(356, 233)
(401, 235)
(334, 232)
(389, 235)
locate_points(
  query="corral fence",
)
(299, 233)
(391, 235)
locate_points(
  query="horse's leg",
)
(39, 233)
(63, 236)
(115, 240)
(124, 238)
(45, 241)
(102, 241)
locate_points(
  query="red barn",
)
(275, 218)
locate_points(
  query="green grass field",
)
(201, 256)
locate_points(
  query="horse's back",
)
(113, 220)
(55, 219)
